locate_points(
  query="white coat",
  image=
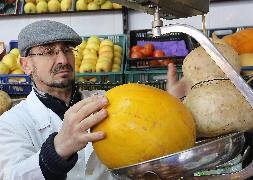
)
(23, 130)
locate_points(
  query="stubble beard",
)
(61, 83)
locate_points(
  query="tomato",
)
(158, 53)
(147, 52)
(149, 46)
(165, 62)
(136, 48)
(137, 54)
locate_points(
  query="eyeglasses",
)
(53, 52)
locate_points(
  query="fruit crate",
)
(8, 8)
(103, 77)
(173, 54)
(15, 85)
(158, 78)
(33, 10)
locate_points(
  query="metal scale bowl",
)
(206, 154)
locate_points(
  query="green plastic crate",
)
(157, 78)
(114, 77)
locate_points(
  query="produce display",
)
(44, 6)
(153, 50)
(82, 5)
(136, 131)
(217, 106)
(242, 42)
(10, 63)
(96, 55)
(5, 102)
(8, 7)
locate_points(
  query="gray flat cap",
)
(44, 32)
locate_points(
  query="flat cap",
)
(44, 32)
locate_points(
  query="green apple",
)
(107, 5)
(81, 5)
(41, 7)
(93, 6)
(29, 8)
(54, 6)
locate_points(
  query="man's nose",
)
(61, 57)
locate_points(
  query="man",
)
(44, 136)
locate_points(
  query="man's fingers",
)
(90, 108)
(95, 136)
(92, 120)
(76, 107)
(171, 75)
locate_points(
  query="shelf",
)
(63, 13)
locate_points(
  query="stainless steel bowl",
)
(206, 154)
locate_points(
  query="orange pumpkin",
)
(241, 41)
(143, 123)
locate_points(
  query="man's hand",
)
(73, 135)
(177, 88)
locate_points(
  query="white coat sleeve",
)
(18, 159)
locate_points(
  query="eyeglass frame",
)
(52, 51)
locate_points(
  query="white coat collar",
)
(39, 111)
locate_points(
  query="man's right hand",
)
(74, 135)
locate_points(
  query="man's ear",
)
(26, 65)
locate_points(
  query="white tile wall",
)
(220, 15)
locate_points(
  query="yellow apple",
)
(30, 1)
(108, 54)
(10, 61)
(66, 5)
(81, 5)
(88, 51)
(90, 61)
(83, 45)
(29, 8)
(90, 56)
(93, 45)
(15, 51)
(78, 61)
(54, 6)
(99, 2)
(37, 1)
(17, 71)
(116, 6)
(117, 60)
(4, 68)
(105, 48)
(103, 66)
(117, 54)
(94, 38)
(77, 68)
(106, 42)
(115, 68)
(107, 59)
(87, 67)
(93, 6)
(106, 5)
(41, 7)
(117, 48)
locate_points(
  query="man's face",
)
(52, 65)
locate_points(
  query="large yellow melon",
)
(143, 123)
